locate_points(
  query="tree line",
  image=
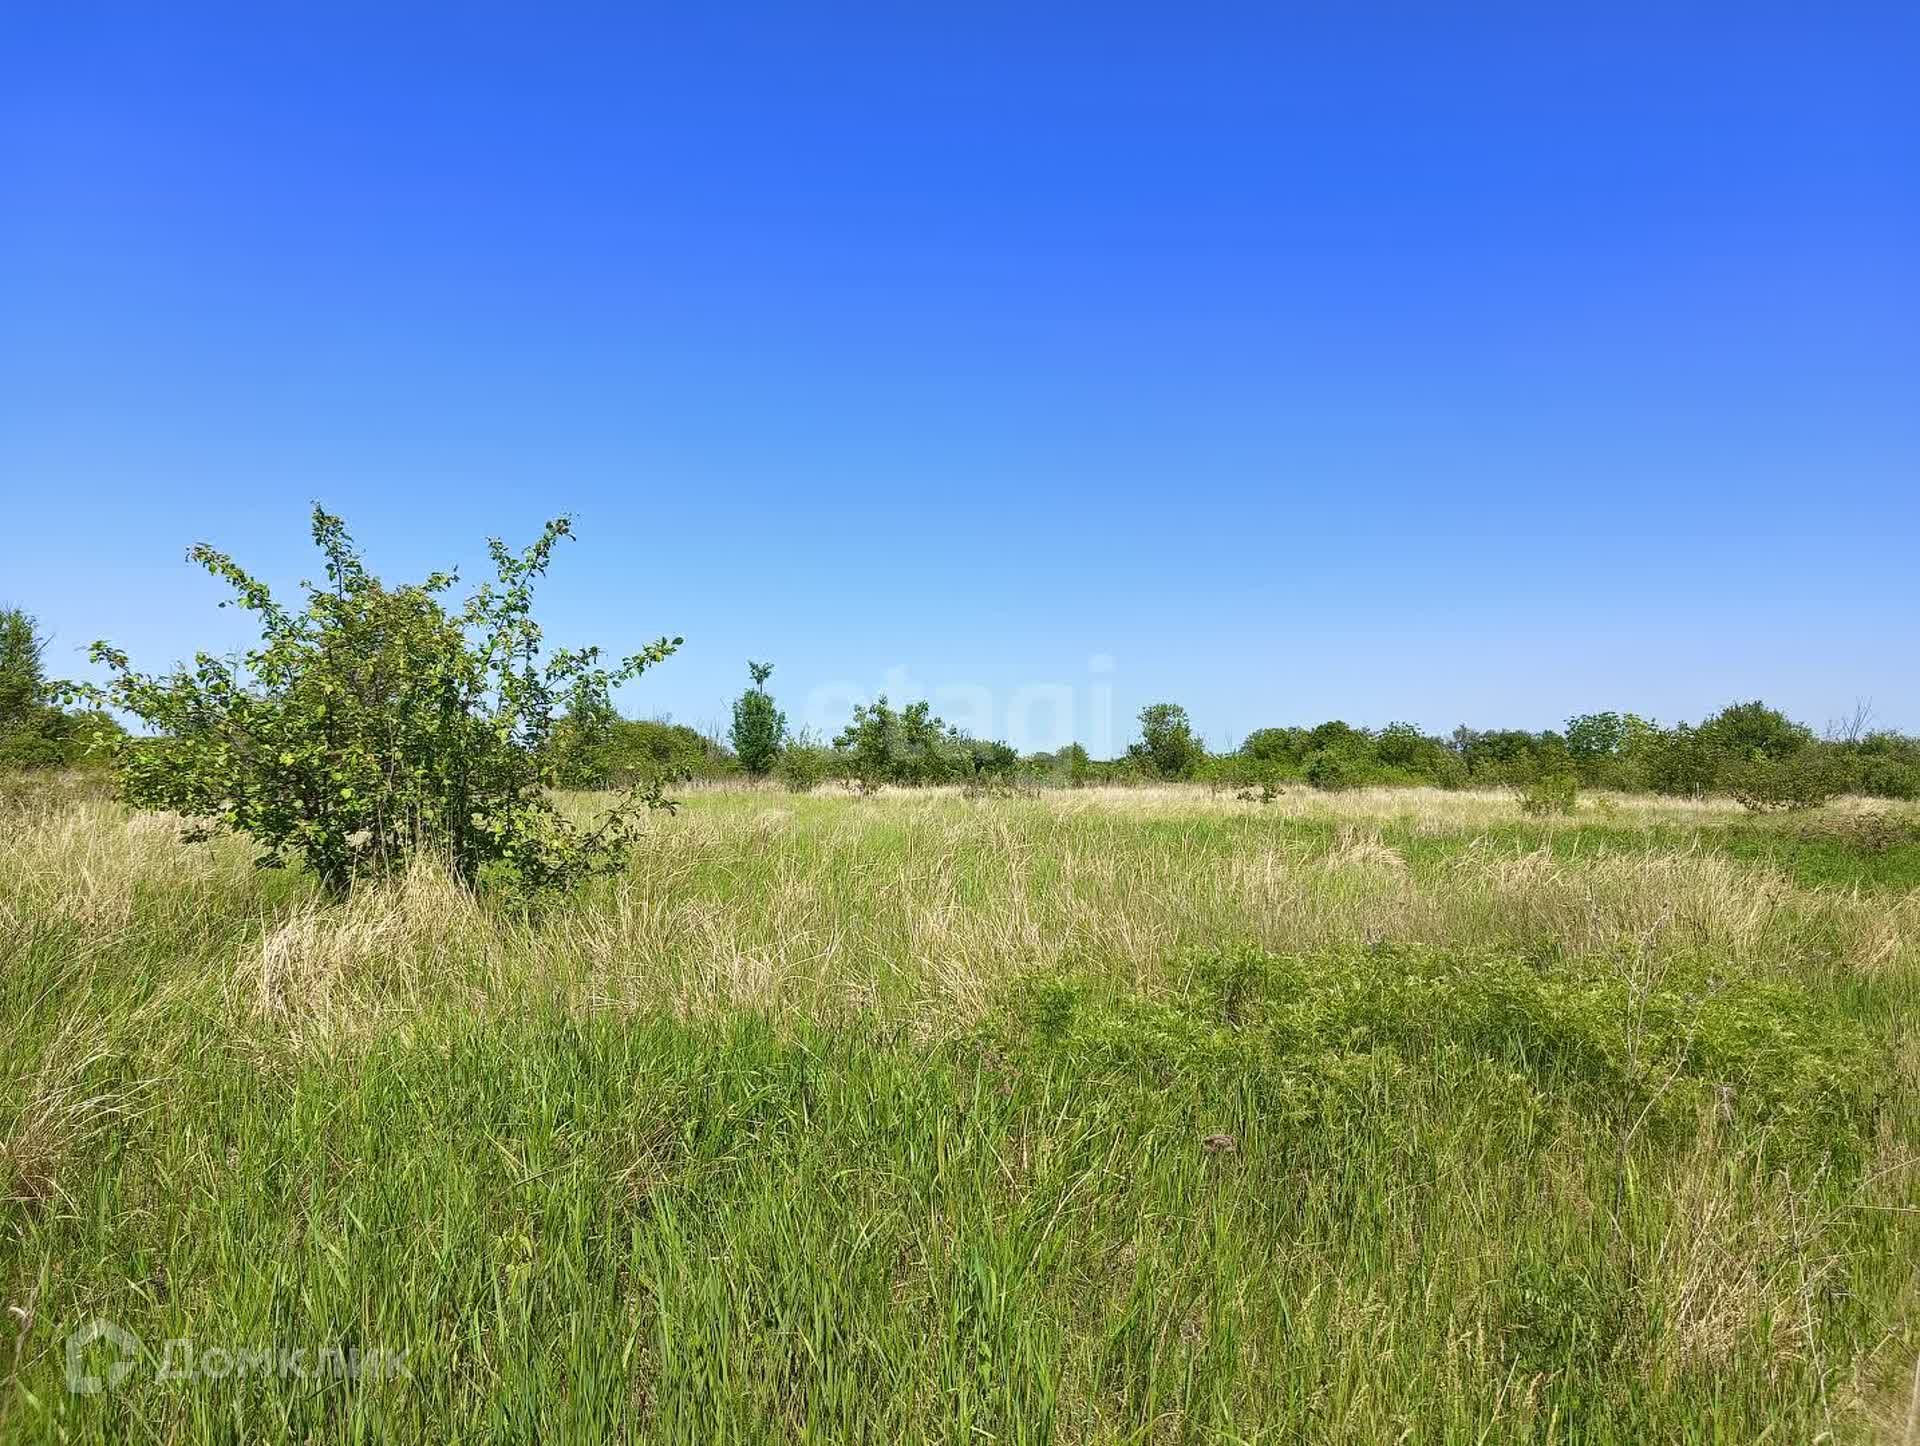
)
(1746, 750)
(371, 721)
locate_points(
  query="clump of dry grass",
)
(64, 1104)
(1360, 848)
(324, 970)
(82, 867)
(1737, 1267)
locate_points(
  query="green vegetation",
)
(1101, 1115)
(35, 732)
(759, 728)
(906, 746)
(1507, 1086)
(1746, 751)
(1167, 748)
(373, 724)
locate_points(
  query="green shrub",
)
(1550, 793)
(910, 746)
(1335, 768)
(1682, 762)
(1167, 746)
(644, 751)
(759, 728)
(373, 725)
(1882, 776)
(1804, 779)
(803, 765)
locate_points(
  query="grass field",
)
(1097, 1116)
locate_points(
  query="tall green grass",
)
(898, 1119)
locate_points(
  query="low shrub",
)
(374, 723)
(803, 766)
(1334, 769)
(1548, 794)
(1802, 780)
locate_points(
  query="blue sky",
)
(1456, 364)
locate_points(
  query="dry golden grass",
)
(928, 903)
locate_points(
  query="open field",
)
(1135, 1115)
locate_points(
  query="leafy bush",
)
(34, 731)
(650, 750)
(373, 725)
(1336, 768)
(985, 760)
(1264, 787)
(1550, 793)
(1167, 745)
(1681, 762)
(759, 728)
(803, 765)
(1805, 779)
(912, 746)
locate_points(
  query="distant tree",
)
(1595, 735)
(1507, 755)
(984, 758)
(1334, 734)
(582, 742)
(910, 746)
(1753, 730)
(22, 679)
(1400, 745)
(35, 732)
(373, 724)
(759, 728)
(1077, 764)
(1167, 745)
(1276, 745)
(1335, 767)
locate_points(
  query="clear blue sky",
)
(1448, 363)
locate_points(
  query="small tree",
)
(759, 728)
(34, 731)
(804, 762)
(581, 747)
(911, 746)
(1167, 745)
(1079, 766)
(1753, 730)
(22, 679)
(28, 731)
(374, 724)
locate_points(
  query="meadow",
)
(1108, 1114)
